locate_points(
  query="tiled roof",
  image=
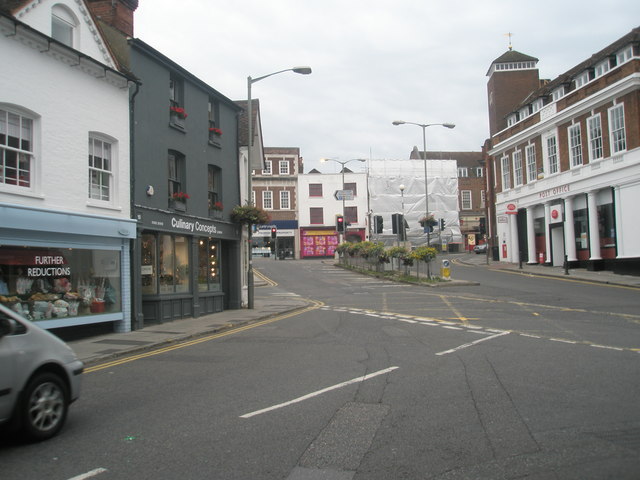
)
(513, 56)
(243, 126)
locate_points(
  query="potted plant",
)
(178, 201)
(180, 196)
(215, 131)
(428, 221)
(217, 207)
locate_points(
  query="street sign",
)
(343, 195)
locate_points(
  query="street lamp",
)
(251, 81)
(424, 147)
(343, 163)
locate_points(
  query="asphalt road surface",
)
(518, 377)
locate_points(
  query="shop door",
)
(557, 246)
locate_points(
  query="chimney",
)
(117, 13)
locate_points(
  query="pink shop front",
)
(322, 242)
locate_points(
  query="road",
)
(518, 377)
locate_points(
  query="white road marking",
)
(605, 346)
(452, 328)
(562, 341)
(90, 474)
(466, 345)
(319, 392)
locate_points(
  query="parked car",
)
(40, 377)
(482, 248)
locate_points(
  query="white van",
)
(39, 377)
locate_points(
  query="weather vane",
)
(509, 35)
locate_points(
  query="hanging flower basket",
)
(179, 111)
(249, 215)
(428, 221)
(181, 196)
(215, 131)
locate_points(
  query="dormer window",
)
(624, 55)
(602, 68)
(558, 93)
(512, 119)
(581, 79)
(525, 112)
(63, 25)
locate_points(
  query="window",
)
(552, 154)
(214, 120)
(594, 128)
(575, 145)
(173, 264)
(63, 25)
(352, 187)
(616, 126)
(517, 168)
(483, 199)
(512, 120)
(582, 79)
(479, 172)
(315, 190)
(316, 216)
(176, 174)
(267, 200)
(284, 167)
(537, 105)
(214, 196)
(100, 169)
(351, 215)
(208, 265)
(530, 154)
(624, 55)
(558, 93)
(463, 172)
(16, 149)
(177, 113)
(465, 196)
(267, 167)
(506, 174)
(602, 68)
(284, 200)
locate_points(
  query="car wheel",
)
(45, 403)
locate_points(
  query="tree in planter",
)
(424, 254)
(402, 255)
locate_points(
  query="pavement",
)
(108, 347)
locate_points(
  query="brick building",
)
(563, 161)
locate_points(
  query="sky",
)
(373, 62)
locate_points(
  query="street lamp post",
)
(424, 148)
(342, 164)
(251, 81)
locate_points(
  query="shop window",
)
(16, 149)
(606, 225)
(173, 264)
(148, 268)
(208, 265)
(581, 227)
(44, 283)
(100, 168)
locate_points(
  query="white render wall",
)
(68, 103)
(331, 207)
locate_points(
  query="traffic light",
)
(441, 224)
(483, 227)
(274, 232)
(378, 225)
(339, 223)
(394, 223)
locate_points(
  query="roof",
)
(565, 78)
(514, 56)
(464, 159)
(243, 125)
(11, 6)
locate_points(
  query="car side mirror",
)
(6, 327)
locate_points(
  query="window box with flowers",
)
(177, 115)
(178, 201)
(214, 136)
(216, 209)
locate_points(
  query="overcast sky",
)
(373, 62)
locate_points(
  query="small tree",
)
(425, 254)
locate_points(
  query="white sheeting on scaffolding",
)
(385, 178)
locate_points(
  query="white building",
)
(318, 209)
(64, 168)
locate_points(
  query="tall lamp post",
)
(342, 164)
(424, 148)
(251, 81)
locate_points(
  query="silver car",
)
(39, 377)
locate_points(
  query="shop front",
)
(283, 245)
(65, 270)
(318, 242)
(187, 267)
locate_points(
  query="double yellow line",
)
(207, 338)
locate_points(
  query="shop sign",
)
(556, 214)
(553, 192)
(502, 219)
(512, 209)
